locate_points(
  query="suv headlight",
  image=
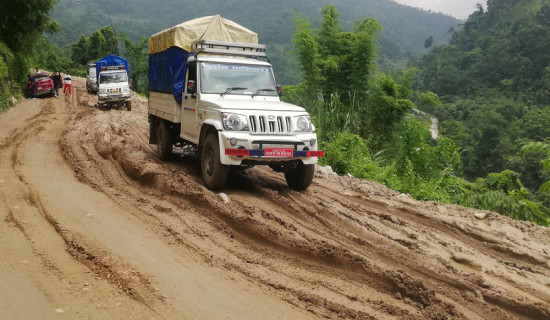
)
(234, 122)
(102, 91)
(303, 123)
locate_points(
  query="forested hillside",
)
(493, 79)
(485, 157)
(404, 29)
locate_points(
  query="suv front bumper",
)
(238, 146)
(113, 98)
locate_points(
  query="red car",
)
(43, 85)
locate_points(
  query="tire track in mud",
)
(226, 221)
(356, 260)
(30, 216)
(342, 249)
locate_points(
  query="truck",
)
(212, 91)
(113, 82)
(91, 78)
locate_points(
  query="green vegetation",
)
(404, 28)
(493, 78)
(6, 59)
(365, 125)
(21, 26)
(103, 42)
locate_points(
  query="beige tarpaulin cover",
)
(205, 28)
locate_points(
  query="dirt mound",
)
(345, 248)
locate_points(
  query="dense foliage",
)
(103, 42)
(363, 118)
(6, 58)
(494, 79)
(22, 23)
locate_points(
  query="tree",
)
(6, 56)
(328, 37)
(111, 42)
(21, 24)
(79, 50)
(385, 109)
(98, 46)
(363, 54)
(138, 59)
(429, 102)
(545, 163)
(428, 42)
(22, 21)
(308, 57)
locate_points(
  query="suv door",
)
(189, 127)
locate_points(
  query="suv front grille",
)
(269, 124)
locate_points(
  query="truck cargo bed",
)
(163, 105)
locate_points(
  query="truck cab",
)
(91, 79)
(231, 112)
(113, 87)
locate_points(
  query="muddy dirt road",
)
(93, 226)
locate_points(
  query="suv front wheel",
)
(300, 177)
(214, 173)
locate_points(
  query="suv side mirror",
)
(191, 87)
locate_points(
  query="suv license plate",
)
(278, 152)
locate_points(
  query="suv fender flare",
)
(209, 125)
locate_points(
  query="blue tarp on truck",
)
(166, 71)
(170, 48)
(109, 61)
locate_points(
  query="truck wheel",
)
(129, 105)
(214, 173)
(165, 141)
(300, 177)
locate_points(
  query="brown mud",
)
(93, 225)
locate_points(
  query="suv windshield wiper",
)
(228, 90)
(262, 90)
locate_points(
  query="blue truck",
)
(113, 82)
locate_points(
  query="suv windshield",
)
(91, 73)
(242, 79)
(113, 77)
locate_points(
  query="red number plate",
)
(278, 152)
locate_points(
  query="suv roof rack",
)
(229, 48)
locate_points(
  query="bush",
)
(346, 153)
(6, 58)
